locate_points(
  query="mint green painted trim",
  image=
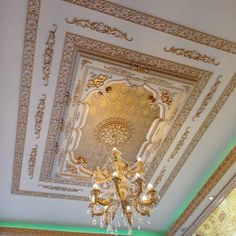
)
(222, 155)
(73, 229)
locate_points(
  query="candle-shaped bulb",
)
(128, 208)
(105, 207)
(150, 186)
(144, 198)
(95, 186)
(137, 175)
(114, 149)
(139, 159)
(93, 199)
(115, 174)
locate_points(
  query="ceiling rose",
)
(113, 131)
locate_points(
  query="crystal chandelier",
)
(120, 191)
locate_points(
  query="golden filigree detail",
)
(207, 98)
(99, 27)
(167, 96)
(192, 54)
(160, 176)
(156, 23)
(97, 81)
(32, 161)
(113, 131)
(71, 168)
(39, 116)
(59, 188)
(179, 144)
(85, 62)
(118, 70)
(48, 55)
(202, 194)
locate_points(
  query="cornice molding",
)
(209, 210)
(156, 23)
(202, 194)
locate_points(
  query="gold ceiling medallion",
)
(59, 188)
(97, 81)
(39, 116)
(160, 176)
(156, 23)
(167, 96)
(48, 54)
(179, 144)
(113, 131)
(32, 161)
(202, 194)
(99, 27)
(119, 192)
(192, 54)
(208, 98)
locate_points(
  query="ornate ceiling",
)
(96, 75)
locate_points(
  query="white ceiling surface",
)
(195, 14)
(215, 17)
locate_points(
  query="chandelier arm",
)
(103, 202)
(143, 212)
(95, 212)
(151, 198)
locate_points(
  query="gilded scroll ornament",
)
(59, 188)
(99, 27)
(157, 80)
(97, 81)
(167, 96)
(32, 161)
(39, 116)
(192, 54)
(208, 98)
(48, 54)
(160, 176)
(75, 98)
(179, 144)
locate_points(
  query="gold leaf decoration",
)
(160, 176)
(167, 96)
(179, 144)
(39, 116)
(99, 27)
(48, 54)
(59, 188)
(192, 54)
(208, 98)
(97, 80)
(32, 161)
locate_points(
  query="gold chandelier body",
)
(121, 187)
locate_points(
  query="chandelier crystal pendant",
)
(120, 191)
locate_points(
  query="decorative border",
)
(207, 187)
(32, 161)
(35, 232)
(31, 26)
(75, 44)
(209, 210)
(156, 23)
(201, 131)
